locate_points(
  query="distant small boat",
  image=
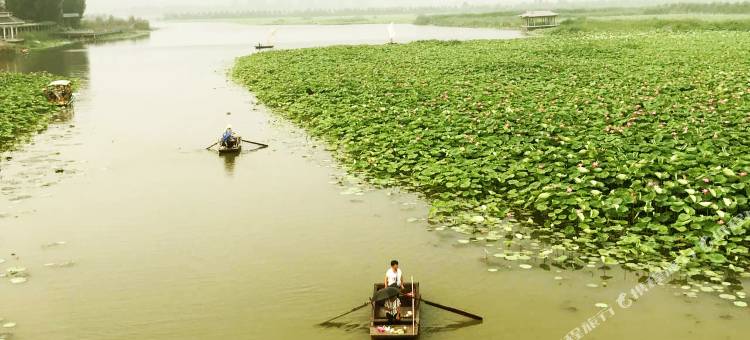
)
(263, 47)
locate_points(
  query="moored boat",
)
(59, 92)
(407, 327)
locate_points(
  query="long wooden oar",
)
(256, 143)
(453, 310)
(212, 145)
(413, 306)
(351, 311)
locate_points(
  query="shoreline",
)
(42, 45)
(315, 20)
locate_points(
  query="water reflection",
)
(64, 115)
(71, 61)
(248, 147)
(450, 327)
(229, 159)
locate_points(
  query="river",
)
(129, 229)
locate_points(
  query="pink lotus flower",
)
(569, 189)
(721, 222)
(595, 165)
(743, 174)
(706, 180)
(705, 191)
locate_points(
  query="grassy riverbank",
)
(630, 147)
(130, 28)
(36, 41)
(675, 17)
(24, 109)
(480, 20)
(639, 24)
(617, 23)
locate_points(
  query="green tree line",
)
(45, 10)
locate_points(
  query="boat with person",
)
(226, 148)
(269, 41)
(231, 143)
(407, 327)
(260, 46)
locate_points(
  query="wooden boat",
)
(405, 328)
(236, 149)
(59, 92)
(263, 47)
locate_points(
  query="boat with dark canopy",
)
(407, 327)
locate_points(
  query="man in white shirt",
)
(393, 276)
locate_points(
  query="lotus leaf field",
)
(630, 148)
(23, 107)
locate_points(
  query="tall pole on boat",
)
(413, 316)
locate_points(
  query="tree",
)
(36, 10)
(75, 6)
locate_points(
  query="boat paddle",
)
(351, 311)
(212, 145)
(413, 310)
(453, 310)
(262, 146)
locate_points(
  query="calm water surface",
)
(170, 241)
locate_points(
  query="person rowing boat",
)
(229, 138)
(393, 276)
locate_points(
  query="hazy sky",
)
(158, 7)
(117, 5)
